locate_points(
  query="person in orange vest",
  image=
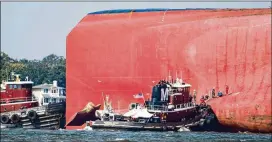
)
(227, 89)
(163, 117)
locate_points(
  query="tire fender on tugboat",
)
(4, 119)
(15, 118)
(32, 114)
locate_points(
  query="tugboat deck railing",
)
(176, 107)
(37, 109)
(17, 100)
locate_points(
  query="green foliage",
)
(51, 67)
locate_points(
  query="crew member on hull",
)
(213, 93)
(206, 97)
(202, 101)
(194, 96)
(227, 89)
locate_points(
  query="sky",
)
(33, 30)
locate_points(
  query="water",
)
(16, 135)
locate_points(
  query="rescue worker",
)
(213, 93)
(163, 117)
(194, 95)
(206, 97)
(227, 89)
(190, 99)
(202, 101)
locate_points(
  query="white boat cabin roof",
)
(19, 82)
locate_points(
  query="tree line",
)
(51, 67)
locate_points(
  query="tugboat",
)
(171, 108)
(19, 108)
(16, 94)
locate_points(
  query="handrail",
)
(41, 108)
(185, 105)
(165, 108)
(157, 107)
(18, 99)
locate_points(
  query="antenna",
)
(180, 74)
(169, 76)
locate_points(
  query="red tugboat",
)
(20, 109)
(17, 94)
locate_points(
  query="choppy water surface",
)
(15, 135)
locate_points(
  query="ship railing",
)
(185, 105)
(17, 100)
(157, 108)
(25, 110)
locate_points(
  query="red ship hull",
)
(122, 54)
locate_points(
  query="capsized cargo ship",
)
(122, 52)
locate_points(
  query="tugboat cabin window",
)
(15, 86)
(19, 86)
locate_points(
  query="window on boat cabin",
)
(10, 86)
(19, 86)
(54, 100)
(45, 90)
(15, 86)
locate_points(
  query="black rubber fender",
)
(32, 115)
(4, 119)
(15, 118)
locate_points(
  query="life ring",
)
(4, 119)
(15, 118)
(32, 115)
